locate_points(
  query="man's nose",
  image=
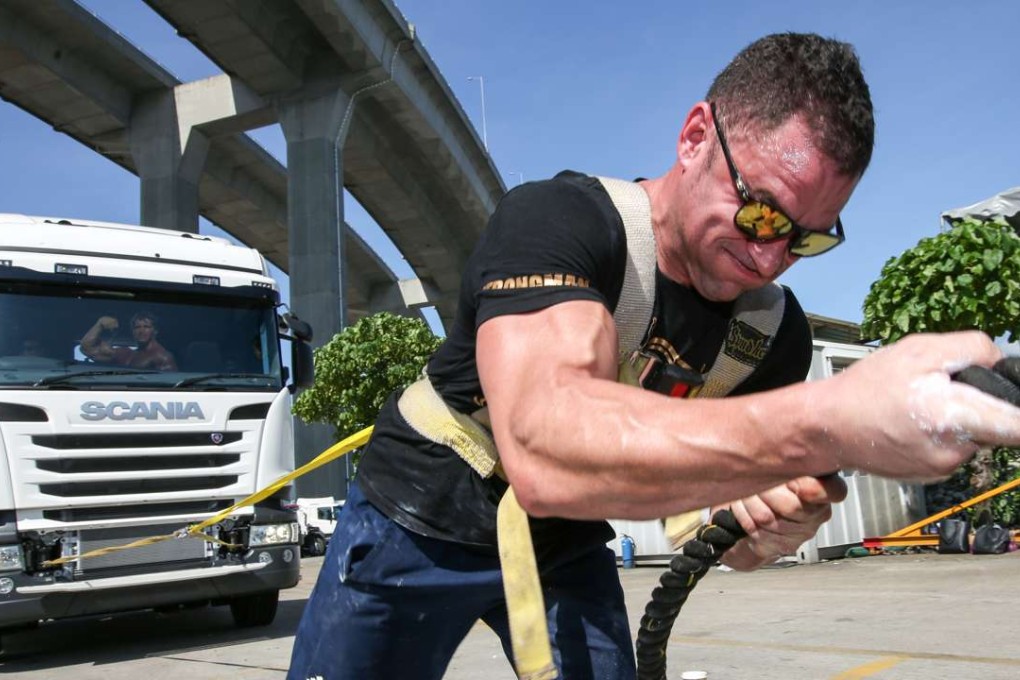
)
(769, 258)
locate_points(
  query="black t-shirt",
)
(546, 243)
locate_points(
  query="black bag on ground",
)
(954, 536)
(991, 539)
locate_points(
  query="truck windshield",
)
(52, 338)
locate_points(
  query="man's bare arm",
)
(575, 443)
(93, 345)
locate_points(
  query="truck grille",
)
(125, 511)
(122, 487)
(142, 440)
(136, 463)
(178, 550)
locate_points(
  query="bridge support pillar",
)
(312, 123)
(169, 155)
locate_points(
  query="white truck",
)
(317, 518)
(176, 407)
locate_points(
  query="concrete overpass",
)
(360, 103)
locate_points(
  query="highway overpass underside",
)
(360, 104)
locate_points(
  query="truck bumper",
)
(35, 598)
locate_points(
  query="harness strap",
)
(757, 315)
(529, 633)
(756, 318)
(428, 415)
(637, 296)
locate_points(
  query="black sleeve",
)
(789, 360)
(546, 243)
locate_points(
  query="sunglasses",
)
(763, 223)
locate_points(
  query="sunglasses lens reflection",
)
(813, 243)
(762, 221)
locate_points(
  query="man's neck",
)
(666, 232)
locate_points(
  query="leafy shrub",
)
(360, 367)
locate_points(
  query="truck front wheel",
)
(317, 545)
(255, 610)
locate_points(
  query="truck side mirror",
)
(302, 363)
(298, 328)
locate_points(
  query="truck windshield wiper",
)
(194, 380)
(54, 379)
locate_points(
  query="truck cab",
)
(141, 391)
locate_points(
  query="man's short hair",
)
(787, 74)
(145, 316)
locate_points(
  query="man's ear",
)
(694, 134)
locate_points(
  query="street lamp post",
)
(481, 86)
(520, 176)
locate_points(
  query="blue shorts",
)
(390, 604)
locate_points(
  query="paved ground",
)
(908, 617)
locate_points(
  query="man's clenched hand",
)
(778, 520)
(898, 413)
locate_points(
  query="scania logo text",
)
(148, 410)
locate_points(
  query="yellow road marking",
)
(869, 669)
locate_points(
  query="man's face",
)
(782, 167)
(143, 331)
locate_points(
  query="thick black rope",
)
(685, 570)
(1001, 380)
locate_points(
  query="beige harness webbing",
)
(762, 310)
(428, 415)
(426, 412)
(637, 296)
(525, 606)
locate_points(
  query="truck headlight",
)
(272, 534)
(10, 558)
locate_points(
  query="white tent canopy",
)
(1005, 205)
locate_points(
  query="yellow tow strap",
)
(332, 453)
(529, 633)
(681, 528)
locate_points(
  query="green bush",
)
(360, 367)
(966, 277)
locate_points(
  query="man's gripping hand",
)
(779, 520)
(897, 413)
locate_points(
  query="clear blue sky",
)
(603, 87)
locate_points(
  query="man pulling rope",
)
(526, 393)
